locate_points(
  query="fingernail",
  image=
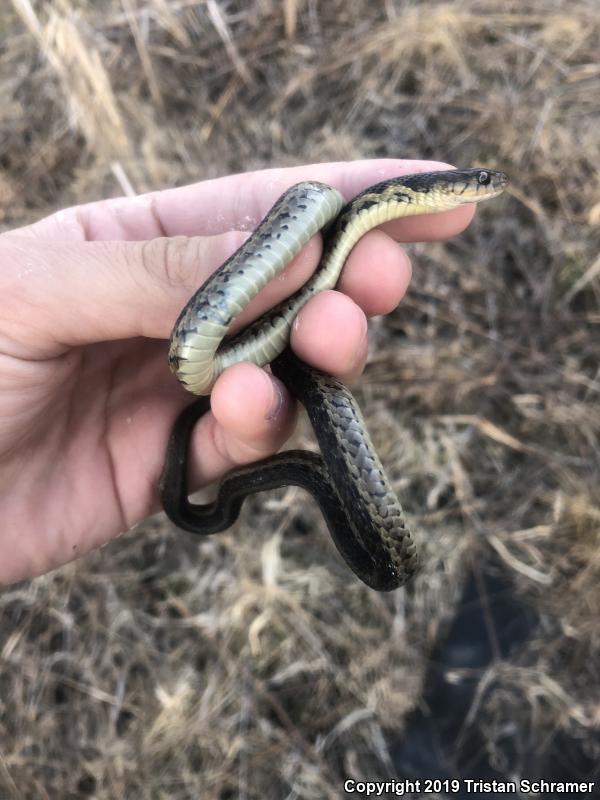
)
(278, 399)
(362, 347)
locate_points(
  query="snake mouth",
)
(471, 185)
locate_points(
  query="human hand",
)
(89, 296)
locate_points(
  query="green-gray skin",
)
(363, 514)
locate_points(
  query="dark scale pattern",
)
(377, 519)
(219, 299)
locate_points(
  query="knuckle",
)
(183, 262)
(171, 260)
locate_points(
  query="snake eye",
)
(484, 178)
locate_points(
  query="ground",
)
(254, 665)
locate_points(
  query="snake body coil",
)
(363, 514)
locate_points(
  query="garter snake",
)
(363, 514)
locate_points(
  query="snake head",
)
(450, 188)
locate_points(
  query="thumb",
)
(58, 294)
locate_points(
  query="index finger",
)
(239, 202)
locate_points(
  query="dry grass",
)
(253, 665)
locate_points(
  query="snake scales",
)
(363, 514)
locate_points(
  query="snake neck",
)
(369, 210)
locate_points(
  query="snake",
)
(347, 480)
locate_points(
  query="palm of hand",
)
(73, 457)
